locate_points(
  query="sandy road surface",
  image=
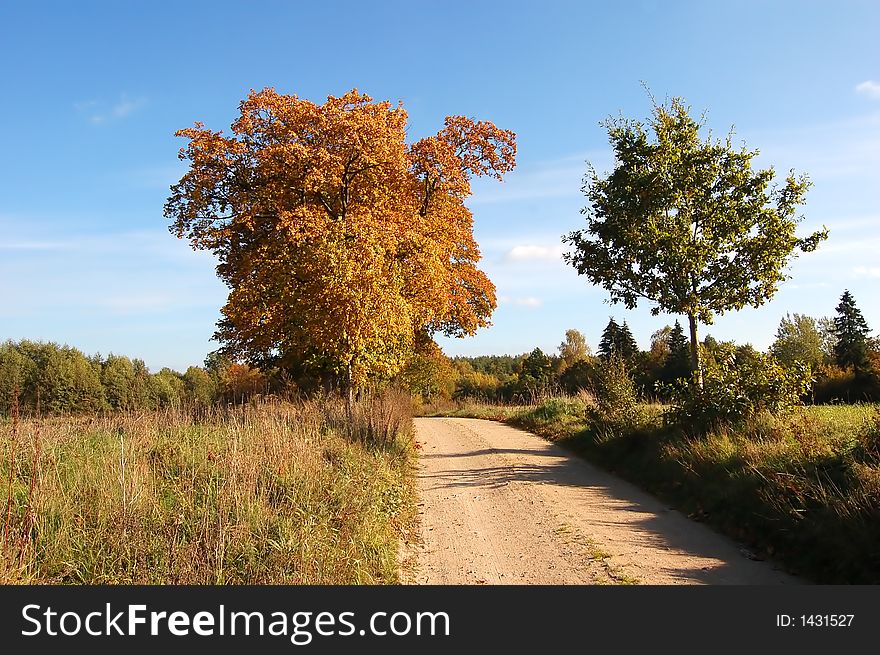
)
(502, 506)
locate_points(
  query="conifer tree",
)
(851, 330)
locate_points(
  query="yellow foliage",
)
(339, 241)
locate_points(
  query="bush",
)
(559, 409)
(736, 390)
(617, 407)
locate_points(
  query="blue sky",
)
(93, 93)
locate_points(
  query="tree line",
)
(837, 358)
(48, 378)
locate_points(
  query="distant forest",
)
(838, 354)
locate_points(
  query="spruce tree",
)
(851, 332)
(608, 342)
(626, 344)
(678, 363)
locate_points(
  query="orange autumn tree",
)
(344, 247)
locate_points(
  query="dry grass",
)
(278, 493)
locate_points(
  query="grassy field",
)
(278, 493)
(803, 489)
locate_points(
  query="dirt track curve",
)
(501, 506)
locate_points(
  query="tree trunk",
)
(696, 364)
(349, 389)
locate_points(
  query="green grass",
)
(266, 494)
(803, 489)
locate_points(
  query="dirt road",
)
(502, 506)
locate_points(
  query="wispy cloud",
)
(869, 88)
(530, 302)
(556, 178)
(837, 150)
(808, 285)
(866, 271)
(527, 253)
(99, 112)
(136, 303)
(130, 245)
(848, 246)
(152, 177)
(33, 245)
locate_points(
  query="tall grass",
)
(276, 493)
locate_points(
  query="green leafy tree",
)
(66, 381)
(579, 376)
(829, 338)
(537, 371)
(737, 388)
(167, 388)
(117, 376)
(851, 332)
(617, 409)
(501, 366)
(574, 348)
(477, 385)
(429, 374)
(199, 387)
(142, 387)
(686, 223)
(798, 339)
(17, 375)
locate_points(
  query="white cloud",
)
(869, 88)
(866, 271)
(534, 253)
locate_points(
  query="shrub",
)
(833, 383)
(617, 406)
(735, 390)
(559, 408)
